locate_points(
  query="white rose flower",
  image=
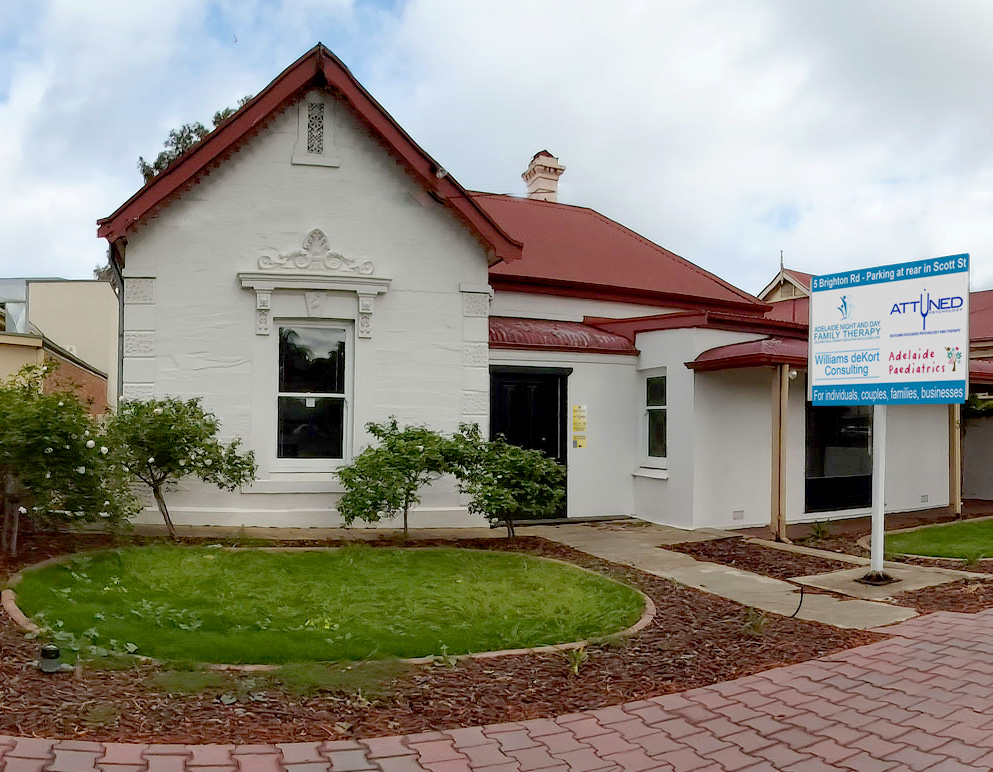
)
(90, 444)
(22, 510)
(151, 460)
(81, 469)
(157, 411)
(104, 449)
(182, 462)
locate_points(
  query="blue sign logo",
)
(925, 304)
(845, 307)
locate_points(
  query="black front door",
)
(528, 407)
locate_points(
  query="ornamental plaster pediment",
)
(316, 256)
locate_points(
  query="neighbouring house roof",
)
(714, 320)
(981, 315)
(795, 310)
(548, 335)
(576, 251)
(318, 68)
(753, 353)
(799, 279)
(981, 371)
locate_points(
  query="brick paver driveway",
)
(921, 700)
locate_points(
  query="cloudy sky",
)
(846, 133)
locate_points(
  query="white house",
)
(308, 268)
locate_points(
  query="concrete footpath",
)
(638, 544)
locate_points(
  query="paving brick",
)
(677, 727)
(300, 766)
(583, 761)
(220, 755)
(481, 756)
(30, 748)
(812, 765)
(79, 745)
(164, 749)
(399, 764)
(449, 765)
(381, 747)
(605, 744)
(780, 756)
(126, 767)
(511, 741)
(611, 715)
(427, 752)
(685, 760)
(531, 758)
(293, 753)
(632, 761)
(633, 727)
(563, 742)
(732, 759)
(830, 751)
(18, 764)
(166, 763)
(541, 727)
(911, 758)
(74, 761)
(749, 740)
(346, 745)
(461, 738)
(654, 744)
(588, 727)
(256, 762)
(352, 760)
(122, 753)
(958, 750)
(863, 762)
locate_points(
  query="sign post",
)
(889, 335)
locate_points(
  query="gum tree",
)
(385, 480)
(56, 467)
(160, 442)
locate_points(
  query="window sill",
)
(651, 473)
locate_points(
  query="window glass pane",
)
(656, 433)
(312, 359)
(656, 391)
(311, 427)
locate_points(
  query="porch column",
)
(780, 396)
(955, 458)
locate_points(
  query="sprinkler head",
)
(50, 655)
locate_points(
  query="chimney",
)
(542, 176)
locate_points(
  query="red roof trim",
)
(560, 288)
(318, 67)
(756, 353)
(507, 332)
(981, 371)
(714, 320)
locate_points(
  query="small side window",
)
(655, 409)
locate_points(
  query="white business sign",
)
(891, 335)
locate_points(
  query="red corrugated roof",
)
(753, 353)
(573, 250)
(981, 315)
(801, 278)
(544, 334)
(795, 310)
(981, 371)
(318, 68)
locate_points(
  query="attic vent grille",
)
(315, 127)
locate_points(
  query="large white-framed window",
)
(314, 373)
(654, 429)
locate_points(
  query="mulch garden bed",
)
(968, 596)
(767, 561)
(696, 639)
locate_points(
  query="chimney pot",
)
(542, 176)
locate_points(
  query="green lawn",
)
(354, 603)
(971, 539)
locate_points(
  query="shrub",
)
(159, 442)
(55, 462)
(506, 483)
(385, 480)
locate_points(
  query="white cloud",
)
(844, 133)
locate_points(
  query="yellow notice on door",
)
(579, 420)
(579, 440)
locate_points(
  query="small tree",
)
(55, 462)
(386, 480)
(505, 482)
(182, 139)
(162, 441)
